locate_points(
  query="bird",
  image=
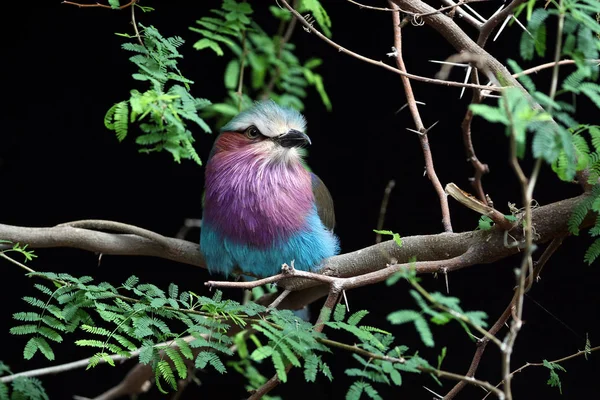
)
(262, 205)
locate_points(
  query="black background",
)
(64, 68)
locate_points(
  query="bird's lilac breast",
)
(254, 200)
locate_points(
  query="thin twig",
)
(380, 63)
(135, 28)
(479, 167)
(548, 65)
(21, 265)
(463, 14)
(352, 282)
(440, 10)
(241, 74)
(383, 209)
(132, 2)
(280, 45)
(279, 298)
(557, 361)
(492, 23)
(414, 111)
(527, 189)
(501, 321)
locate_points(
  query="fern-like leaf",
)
(593, 252)
(164, 371)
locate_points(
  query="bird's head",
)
(266, 130)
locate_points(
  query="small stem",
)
(557, 51)
(241, 75)
(383, 209)
(23, 266)
(541, 364)
(134, 23)
(414, 111)
(341, 49)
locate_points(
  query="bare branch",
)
(383, 209)
(80, 5)
(433, 251)
(414, 111)
(381, 63)
(492, 23)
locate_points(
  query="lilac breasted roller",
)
(262, 206)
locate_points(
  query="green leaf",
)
(279, 366)
(485, 223)
(355, 318)
(424, 332)
(310, 367)
(207, 43)
(340, 312)
(232, 73)
(261, 353)
(180, 366)
(318, 12)
(441, 357)
(403, 316)
(163, 370)
(492, 114)
(395, 236)
(593, 252)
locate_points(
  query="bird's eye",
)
(252, 132)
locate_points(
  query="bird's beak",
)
(293, 138)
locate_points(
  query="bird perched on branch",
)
(262, 206)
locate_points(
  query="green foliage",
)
(387, 360)
(554, 380)
(318, 12)
(22, 388)
(28, 255)
(162, 110)
(440, 309)
(590, 204)
(358, 387)
(485, 223)
(262, 65)
(554, 130)
(395, 236)
(557, 137)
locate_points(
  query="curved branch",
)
(381, 63)
(459, 39)
(433, 252)
(178, 250)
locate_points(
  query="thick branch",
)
(476, 247)
(106, 243)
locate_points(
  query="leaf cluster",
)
(163, 110)
(435, 308)
(262, 65)
(387, 361)
(557, 137)
(22, 388)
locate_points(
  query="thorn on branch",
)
(406, 105)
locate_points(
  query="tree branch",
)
(414, 111)
(381, 63)
(433, 251)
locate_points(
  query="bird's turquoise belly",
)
(307, 247)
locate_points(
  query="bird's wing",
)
(324, 202)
